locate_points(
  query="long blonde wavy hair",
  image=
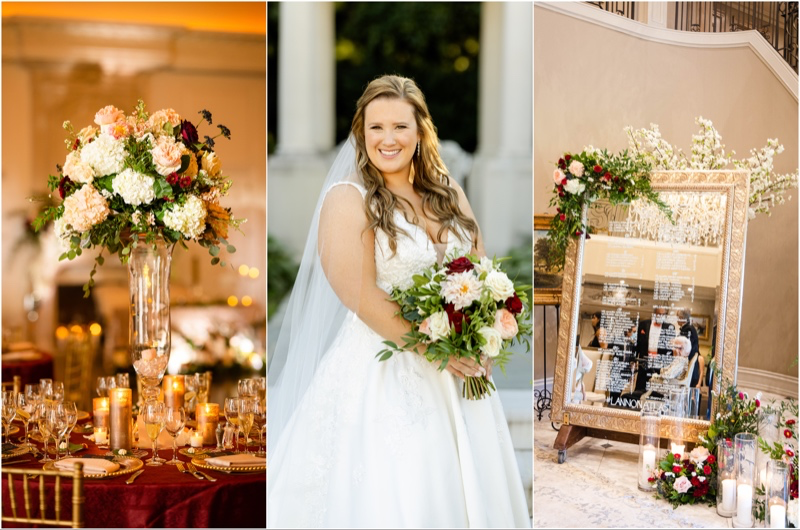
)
(431, 179)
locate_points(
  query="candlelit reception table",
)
(30, 364)
(161, 496)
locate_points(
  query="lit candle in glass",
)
(744, 505)
(100, 409)
(121, 403)
(729, 494)
(174, 387)
(207, 419)
(196, 439)
(101, 435)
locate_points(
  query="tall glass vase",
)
(149, 331)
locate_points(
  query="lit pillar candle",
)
(677, 449)
(174, 389)
(729, 494)
(100, 409)
(744, 505)
(207, 420)
(648, 463)
(777, 515)
(121, 404)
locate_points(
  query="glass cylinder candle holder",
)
(769, 431)
(726, 479)
(207, 419)
(121, 403)
(649, 438)
(777, 494)
(174, 389)
(677, 410)
(100, 409)
(744, 447)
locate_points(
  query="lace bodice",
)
(415, 252)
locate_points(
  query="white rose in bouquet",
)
(574, 186)
(499, 285)
(439, 326)
(493, 341)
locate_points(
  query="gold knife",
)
(133, 477)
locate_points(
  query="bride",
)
(354, 442)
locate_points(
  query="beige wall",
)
(590, 82)
(56, 70)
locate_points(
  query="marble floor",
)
(597, 488)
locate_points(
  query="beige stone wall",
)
(56, 70)
(590, 82)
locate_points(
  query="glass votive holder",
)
(777, 494)
(677, 410)
(100, 408)
(649, 438)
(726, 479)
(744, 446)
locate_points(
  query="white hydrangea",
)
(135, 188)
(105, 155)
(188, 219)
(62, 233)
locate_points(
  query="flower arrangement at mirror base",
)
(583, 178)
(784, 450)
(687, 479)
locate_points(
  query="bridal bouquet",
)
(136, 177)
(466, 307)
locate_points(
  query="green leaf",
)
(222, 263)
(231, 249)
(214, 261)
(386, 355)
(126, 251)
(184, 163)
(100, 260)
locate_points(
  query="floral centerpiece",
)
(583, 178)
(141, 176)
(687, 479)
(785, 451)
(466, 307)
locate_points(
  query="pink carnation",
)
(85, 208)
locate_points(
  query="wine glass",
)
(261, 388)
(57, 424)
(45, 387)
(260, 420)
(232, 415)
(246, 388)
(57, 393)
(174, 423)
(153, 413)
(122, 380)
(247, 410)
(9, 410)
(203, 386)
(100, 387)
(25, 411)
(71, 411)
(40, 415)
(32, 393)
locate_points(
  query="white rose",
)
(499, 285)
(486, 265)
(576, 168)
(440, 325)
(493, 341)
(574, 186)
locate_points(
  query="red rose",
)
(790, 422)
(677, 457)
(741, 395)
(694, 481)
(598, 169)
(607, 176)
(697, 493)
(616, 179)
(711, 459)
(462, 264)
(76, 144)
(62, 186)
(707, 470)
(787, 433)
(789, 453)
(758, 403)
(558, 209)
(578, 232)
(621, 189)
(186, 181)
(189, 133)
(564, 181)
(676, 469)
(457, 318)
(560, 193)
(562, 217)
(562, 164)
(567, 157)
(514, 305)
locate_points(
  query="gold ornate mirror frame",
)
(734, 185)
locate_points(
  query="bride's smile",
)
(391, 136)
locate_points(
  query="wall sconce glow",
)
(95, 329)
(253, 273)
(243, 270)
(247, 301)
(76, 329)
(62, 332)
(233, 301)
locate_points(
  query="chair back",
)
(31, 516)
(78, 362)
(15, 384)
(686, 379)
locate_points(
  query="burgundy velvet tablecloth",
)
(160, 497)
(30, 365)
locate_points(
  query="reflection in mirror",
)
(649, 300)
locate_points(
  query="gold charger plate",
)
(83, 415)
(201, 462)
(198, 452)
(15, 452)
(128, 464)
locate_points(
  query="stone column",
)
(500, 187)
(306, 120)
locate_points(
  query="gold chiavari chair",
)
(78, 498)
(15, 384)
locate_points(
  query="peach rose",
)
(505, 324)
(425, 327)
(108, 115)
(86, 134)
(160, 118)
(558, 176)
(167, 155)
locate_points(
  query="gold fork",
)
(193, 469)
(184, 470)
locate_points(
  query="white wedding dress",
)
(393, 444)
